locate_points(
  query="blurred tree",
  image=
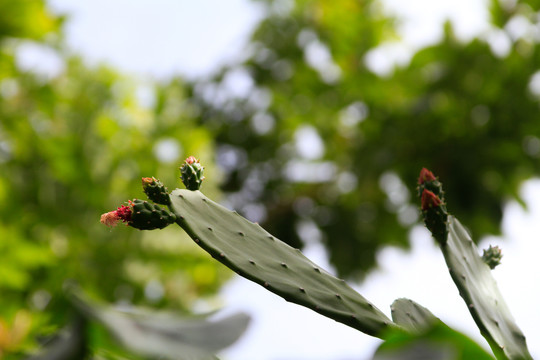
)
(317, 146)
(74, 144)
(314, 145)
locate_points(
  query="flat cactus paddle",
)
(253, 253)
(479, 290)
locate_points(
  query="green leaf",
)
(439, 342)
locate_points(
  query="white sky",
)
(160, 37)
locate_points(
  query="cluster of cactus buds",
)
(492, 256)
(143, 215)
(433, 205)
(192, 173)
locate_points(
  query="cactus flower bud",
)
(435, 215)
(428, 181)
(139, 214)
(429, 200)
(192, 173)
(147, 181)
(155, 190)
(190, 160)
(425, 175)
(112, 218)
(492, 256)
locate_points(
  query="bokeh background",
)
(312, 118)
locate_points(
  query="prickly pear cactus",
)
(253, 253)
(192, 173)
(155, 190)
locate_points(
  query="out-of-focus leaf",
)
(164, 334)
(68, 344)
(436, 343)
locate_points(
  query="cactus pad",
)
(481, 294)
(253, 253)
(412, 316)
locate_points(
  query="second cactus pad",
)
(253, 253)
(481, 294)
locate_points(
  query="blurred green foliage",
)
(71, 148)
(319, 146)
(468, 110)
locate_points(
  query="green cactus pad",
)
(479, 290)
(156, 191)
(412, 316)
(147, 216)
(253, 253)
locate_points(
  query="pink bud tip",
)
(190, 160)
(429, 200)
(147, 181)
(425, 175)
(110, 219)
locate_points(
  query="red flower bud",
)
(429, 200)
(124, 212)
(425, 175)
